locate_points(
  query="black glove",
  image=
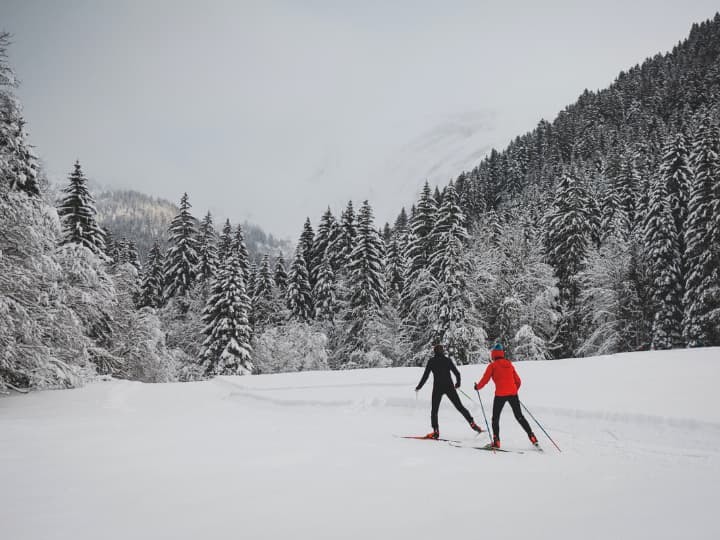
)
(457, 385)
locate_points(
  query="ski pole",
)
(539, 424)
(485, 417)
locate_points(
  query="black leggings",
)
(437, 395)
(498, 405)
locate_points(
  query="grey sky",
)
(273, 110)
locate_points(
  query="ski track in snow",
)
(318, 455)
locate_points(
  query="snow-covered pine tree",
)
(252, 279)
(320, 244)
(701, 322)
(396, 266)
(226, 349)
(627, 186)
(299, 296)
(415, 302)
(243, 257)
(225, 243)
(307, 239)
(449, 263)
(18, 164)
(366, 280)
(181, 259)
(567, 230)
(281, 277)
(111, 247)
(208, 250)
(151, 289)
(420, 246)
(342, 241)
(77, 212)
(401, 222)
(663, 249)
(675, 169)
(264, 305)
(324, 292)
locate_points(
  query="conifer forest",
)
(595, 233)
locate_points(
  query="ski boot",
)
(475, 427)
(534, 441)
(433, 435)
(494, 444)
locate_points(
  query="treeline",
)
(593, 234)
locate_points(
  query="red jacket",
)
(507, 382)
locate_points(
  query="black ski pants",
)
(498, 405)
(452, 395)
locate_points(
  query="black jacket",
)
(441, 366)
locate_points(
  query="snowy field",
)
(314, 456)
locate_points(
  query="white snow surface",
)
(315, 455)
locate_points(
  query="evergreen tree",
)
(281, 277)
(263, 301)
(452, 268)
(366, 272)
(675, 170)
(401, 222)
(299, 299)
(77, 213)
(343, 240)
(664, 248)
(252, 279)
(702, 240)
(396, 266)
(416, 302)
(181, 259)
(450, 223)
(243, 257)
(320, 244)
(18, 164)
(226, 350)
(208, 251)
(421, 246)
(225, 245)
(151, 288)
(324, 293)
(307, 240)
(566, 242)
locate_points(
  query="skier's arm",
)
(485, 378)
(518, 382)
(456, 372)
(424, 377)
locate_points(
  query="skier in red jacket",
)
(507, 382)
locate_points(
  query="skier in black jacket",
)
(441, 366)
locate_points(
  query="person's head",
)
(438, 348)
(497, 352)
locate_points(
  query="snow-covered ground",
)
(314, 456)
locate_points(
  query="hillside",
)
(313, 455)
(144, 219)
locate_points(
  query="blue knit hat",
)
(497, 352)
(498, 346)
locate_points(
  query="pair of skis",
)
(461, 444)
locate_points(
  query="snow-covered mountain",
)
(315, 455)
(144, 219)
(391, 170)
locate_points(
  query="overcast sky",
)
(272, 110)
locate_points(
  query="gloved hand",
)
(457, 385)
(417, 389)
(477, 386)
